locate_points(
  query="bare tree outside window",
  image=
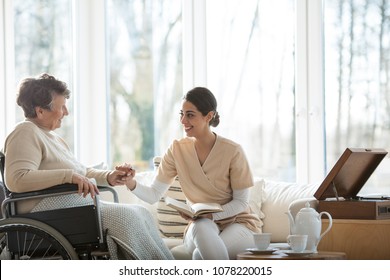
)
(43, 43)
(250, 66)
(357, 80)
(145, 77)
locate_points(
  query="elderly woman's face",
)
(51, 119)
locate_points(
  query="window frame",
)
(90, 82)
(310, 103)
(7, 72)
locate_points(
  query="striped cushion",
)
(170, 223)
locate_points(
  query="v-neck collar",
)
(211, 151)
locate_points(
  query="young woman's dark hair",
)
(204, 100)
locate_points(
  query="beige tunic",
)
(225, 169)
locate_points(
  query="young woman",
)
(210, 169)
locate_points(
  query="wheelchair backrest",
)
(2, 165)
(3, 191)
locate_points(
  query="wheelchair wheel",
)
(26, 239)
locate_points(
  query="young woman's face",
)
(194, 123)
(51, 119)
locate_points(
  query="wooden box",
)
(337, 194)
(356, 209)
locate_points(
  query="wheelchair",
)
(59, 234)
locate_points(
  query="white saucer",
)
(292, 253)
(279, 246)
(256, 251)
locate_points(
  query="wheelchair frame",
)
(65, 233)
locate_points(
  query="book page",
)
(206, 207)
(195, 210)
(179, 206)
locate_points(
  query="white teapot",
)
(308, 221)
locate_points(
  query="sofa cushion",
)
(170, 223)
(279, 196)
(257, 197)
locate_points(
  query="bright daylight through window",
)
(256, 56)
(357, 84)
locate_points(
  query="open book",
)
(195, 209)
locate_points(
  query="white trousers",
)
(207, 242)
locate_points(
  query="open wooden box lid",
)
(350, 173)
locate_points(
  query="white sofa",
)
(270, 199)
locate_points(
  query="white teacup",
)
(297, 242)
(262, 240)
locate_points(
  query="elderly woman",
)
(37, 158)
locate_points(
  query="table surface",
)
(279, 255)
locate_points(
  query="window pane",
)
(357, 91)
(250, 68)
(145, 78)
(43, 43)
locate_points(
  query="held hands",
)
(85, 185)
(128, 177)
(119, 177)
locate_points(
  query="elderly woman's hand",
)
(85, 185)
(130, 182)
(119, 176)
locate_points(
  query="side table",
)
(279, 255)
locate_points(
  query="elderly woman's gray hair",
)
(39, 92)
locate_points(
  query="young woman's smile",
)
(192, 120)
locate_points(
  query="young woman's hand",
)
(117, 177)
(128, 178)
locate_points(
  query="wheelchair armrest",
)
(110, 189)
(52, 191)
(13, 197)
(59, 189)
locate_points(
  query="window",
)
(297, 81)
(145, 50)
(250, 67)
(43, 43)
(357, 91)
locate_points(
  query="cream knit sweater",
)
(37, 159)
